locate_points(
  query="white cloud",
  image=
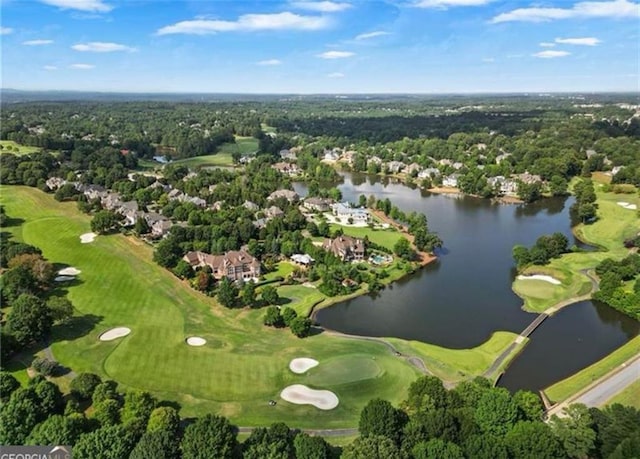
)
(550, 54)
(335, 54)
(101, 47)
(82, 66)
(449, 3)
(546, 44)
(270, 62)
(97, 6)
(321, 7)
(336, 75)
(366, 36)
(50, 67)
(488, 60)
(585, 41)
(5, 30)
(37, 42)
(599, 9)
(248, 22)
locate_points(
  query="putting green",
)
(343, 370)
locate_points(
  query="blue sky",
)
(341, 46)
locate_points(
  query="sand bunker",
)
(303, 395)
(64, 278)
(196, 341)
(87, 237)
(541, 277)
(626, 205)
(70, 271)
(115, 333)
(301, 365)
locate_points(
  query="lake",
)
(461, 299)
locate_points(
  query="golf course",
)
(243, 364)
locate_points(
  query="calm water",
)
(459, 301)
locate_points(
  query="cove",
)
(460, 300)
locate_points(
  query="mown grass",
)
(613, 226)
(300, 298)
(223, 157)
(384, 237)
(457, 364)
(573, 384)
(630, 396)
(16, 148)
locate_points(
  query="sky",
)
(341, 46)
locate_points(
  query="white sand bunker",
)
(626, 205)
(115, 333)
(87, 237)
(541, 277)
(196, 341)
(301, 365)
(303, 395)
(63, 278)
(70, 271)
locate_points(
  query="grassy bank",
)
(629, 396)
(243, 364)
(573, 384)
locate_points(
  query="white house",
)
(344, 211)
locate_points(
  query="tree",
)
(107, 412)
(402, 248)
(272, 317)
(141, 226)
(288, 314)
(437, 449)
(57, 430)
(138, 406)
(29, 320)
(521, 256)
(379, 417)
(301, 327)
(104, 391)
(276, 442)
(210, 436)
(61, 309)
(160, 444)
(18, 281)
(532, 440)
(425, 394)
(49, 398)
(248, 294)
(574, 430)
(164, 418)
(270, 295)
(19, 416)
(485, 446)
(530, 405)
(496, 412)
(44, 366)
(111, 442)
(371, 447)
(227, 293)
(104, 221)
(184, 270)
(307, 447)
(83, 385)
(8, 384)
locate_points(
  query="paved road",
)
(320, 432)
(599, 394)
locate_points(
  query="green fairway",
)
(573, 384)
(300, 298)
(222, 158)
(343, 370)
(613, 226)
(9, 146)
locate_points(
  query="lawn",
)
(629, 396)
(386, 238)
(457, 364)
(613, 226)
(16, 148)
(222, 158)
(564, 389)
(300, 298)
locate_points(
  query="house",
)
(374, 160)
(591, 153)
(273, 212)
(344, 212)
(217, 206)
(92, 191)
(451, 180)
(413, 168)
(260, 223)
(509, 186)
(302, 259)
(111, 201)
(287, 194)
(346, 248)
(318, 204)
(54, 183)
(287, 169)
(528, 178)
(331, 156)
(502, 157)
(457, 165)
(349, 157)
(252, 206)
(235, 265)
(197, 201)
(175, 194)
(616, 169)
(288, 155)
(429, 172)
(394, 166)
(159, 224)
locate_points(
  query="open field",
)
(457, 364)
(243, 364)
(630, 396)
(567, 387)
(386, 238)
(615, 224)
(16, 148)
(222, 158)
